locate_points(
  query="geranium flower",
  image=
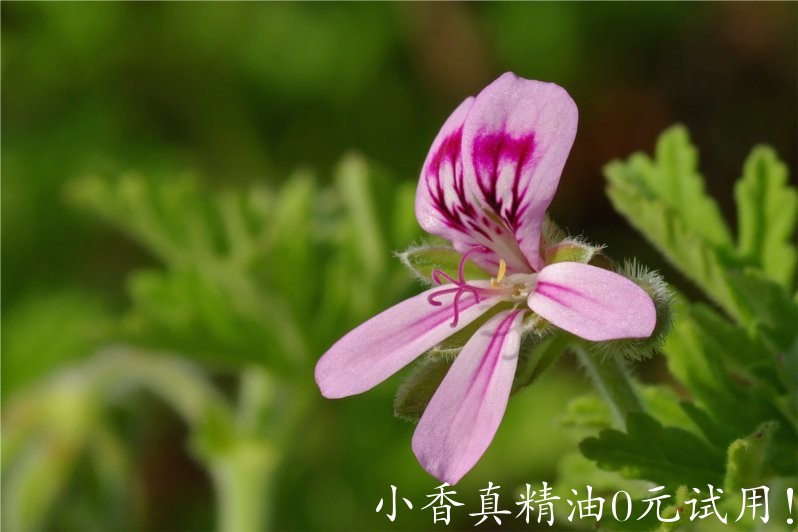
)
(486, 184)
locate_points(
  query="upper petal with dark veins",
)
(515, 141)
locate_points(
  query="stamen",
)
(461, 285)
(502, 270)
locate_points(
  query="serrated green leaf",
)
(214, 320)
(666, 455)
(673, 178)
(770, 311)
(747, 458)
(257, 275)
(696, 356)
(671, 234)
(736, 346)
(664, 200)
(716, 433)
(767, 210)
(664, 405)
(737, 402)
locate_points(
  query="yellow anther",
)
(502, 271)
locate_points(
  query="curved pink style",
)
(485, 185)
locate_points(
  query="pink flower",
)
(486, 184)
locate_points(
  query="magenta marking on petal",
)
(549, 289)
(490, 151)
(448, 154)
(466, 410)
(494, 347)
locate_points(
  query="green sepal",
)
(571, 249)
(537, 354)
(418, 387)
(421, 260)
(415, 393)
(551, 234)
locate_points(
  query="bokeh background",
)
(245, 95)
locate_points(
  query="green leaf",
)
(670, 231)
(44, 331)
(219, 320)
(770, 311)
(718, 434)
(665, 201)
(664, 405)
(673, 178)
(737, 347)
(258, 275)
(587, 412)
(659, 454)
(767, 210)
(747, 458)
(736, 402)
(697, 357)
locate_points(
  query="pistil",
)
(462, 287)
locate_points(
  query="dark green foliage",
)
(669, 456)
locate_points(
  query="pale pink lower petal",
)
(380, 347)
(592, 303)
(515, 141)
(464, 414)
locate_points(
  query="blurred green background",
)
(269, 97)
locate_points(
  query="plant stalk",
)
(611, 380)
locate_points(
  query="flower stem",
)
(611, 380)
(243, 467)
(243, 477)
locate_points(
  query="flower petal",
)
(592, 303)
(383, 345)
(464, 414)
(443, 207)
(515, 141)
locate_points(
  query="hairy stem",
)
(612, 381)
